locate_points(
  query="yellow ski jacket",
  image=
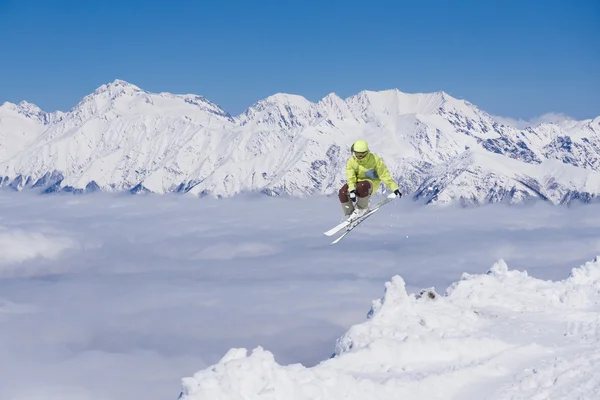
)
(370, 168)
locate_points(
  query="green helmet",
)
(360, 146)
(360, 149)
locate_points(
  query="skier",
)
(364, 171)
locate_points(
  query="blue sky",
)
(518, 59)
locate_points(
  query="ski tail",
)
(337, 228)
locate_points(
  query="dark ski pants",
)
(363, 192)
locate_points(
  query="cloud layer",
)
(554, 118)
(109, 297)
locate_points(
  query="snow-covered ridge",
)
(500, 335)
(439, 148)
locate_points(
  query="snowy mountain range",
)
(439, 148)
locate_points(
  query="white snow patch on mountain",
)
(494, 336)
(20, 125)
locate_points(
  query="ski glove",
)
(352, 195)
(397, 193)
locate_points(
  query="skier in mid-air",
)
(364, 172)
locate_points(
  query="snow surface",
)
(123, 138)
(499, 335)
(142, 291)
(20, 125)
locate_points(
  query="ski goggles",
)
(360, 155)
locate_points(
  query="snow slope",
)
(501, 335)
(20, 125)
(121, 137)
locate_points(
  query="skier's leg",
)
(347, 206)
(363, 190)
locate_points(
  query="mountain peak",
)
(117, 86)
(7, 105)
(28, 110)
(394, 101)
(334, 106)
(29, 107)
(122, 83)
(332, 99)
(281, 109)
(293, 100)
(106, 95)
(23, 105)
(332, 96)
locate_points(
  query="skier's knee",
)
(363, 188)
(343, 194)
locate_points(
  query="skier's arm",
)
(385, 175)
(351, 175)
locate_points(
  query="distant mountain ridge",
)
(439, 148)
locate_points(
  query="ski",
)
(354, 224)
(337, 228)
(345, 223)
(350, 225)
